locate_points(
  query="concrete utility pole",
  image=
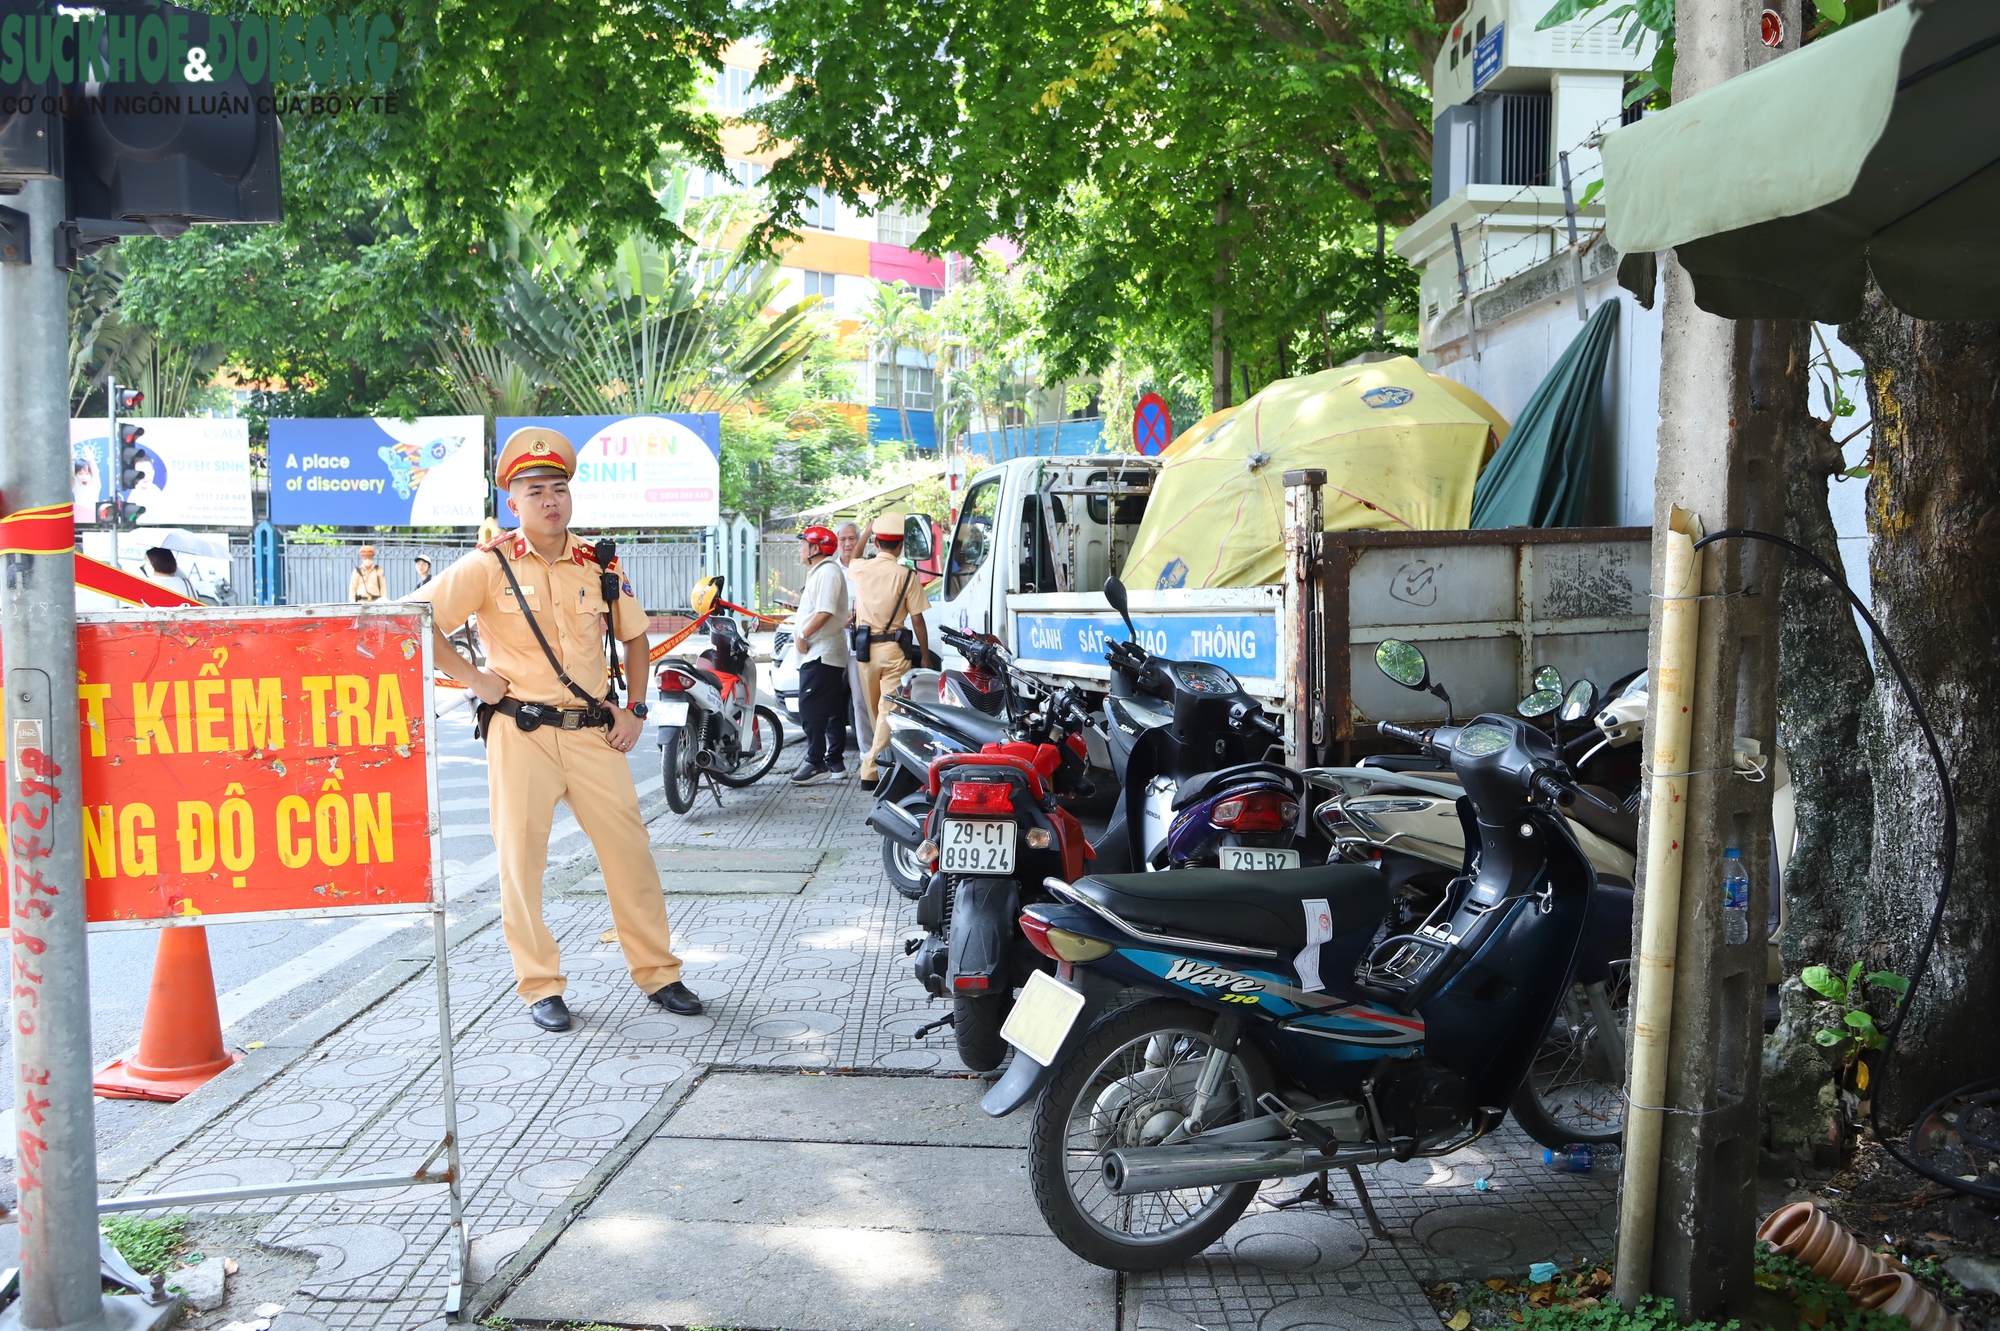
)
(56, 1151)
(1721, 456)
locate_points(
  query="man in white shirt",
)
(822, 648)
(849, 535)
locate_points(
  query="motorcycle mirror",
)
(1114, 592)
(916, 538)
(1580, 702)
(1547, 677)
(1539, 703)
(1403, 663)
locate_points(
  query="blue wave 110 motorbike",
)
(1290, 1029)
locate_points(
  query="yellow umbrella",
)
(1400, 451)
(1197, 430)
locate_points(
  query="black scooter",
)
(1286, 1036)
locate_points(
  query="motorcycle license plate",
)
(1042, 1016)
(981, 846)
(673, 712)
(1255, 859)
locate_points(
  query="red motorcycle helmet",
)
(821, 539)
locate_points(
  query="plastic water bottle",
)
(1735, 898)
(1570, 1159)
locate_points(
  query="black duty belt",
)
(535, 715)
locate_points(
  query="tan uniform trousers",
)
(526, 773)
(880, 674)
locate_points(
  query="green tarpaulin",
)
(1872, 150)
(1542, 475)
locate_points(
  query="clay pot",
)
(1898, 1294)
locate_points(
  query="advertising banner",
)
(195, 472)
(246, 762)
(364, 472)
(636, 471)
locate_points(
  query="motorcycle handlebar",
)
(1552, 789)
(1421, 738)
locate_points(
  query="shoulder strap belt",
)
(568, 683)
(902, 594)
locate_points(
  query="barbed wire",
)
(1486, 257)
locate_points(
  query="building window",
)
(919, 386)
(817, 211)
(733, 89)
(928, 296)
(895, 227)
(704, 183)
(819, 284)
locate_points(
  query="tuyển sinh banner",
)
(253, 762)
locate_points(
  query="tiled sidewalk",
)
(812, 980)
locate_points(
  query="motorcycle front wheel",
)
(1132, 1083)
(1574, 1093)
(769, 737)
(677, 769)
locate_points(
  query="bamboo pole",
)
(1669, 727)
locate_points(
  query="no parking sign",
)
(1152, 426)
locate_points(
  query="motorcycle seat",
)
(1261, 909)
(964, 722)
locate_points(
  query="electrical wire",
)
(1986, 1088)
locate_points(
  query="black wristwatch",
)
(639, 709)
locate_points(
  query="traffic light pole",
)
(55, 1148)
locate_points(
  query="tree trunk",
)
(1934, 524)
(1825, 688)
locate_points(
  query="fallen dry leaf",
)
(608, 936)
(1459, 1320)
(229, 1266)
(1497, 1285)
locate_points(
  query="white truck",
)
(1036, 537)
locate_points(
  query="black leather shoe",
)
(678, 999)
(551, 1014)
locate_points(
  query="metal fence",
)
(784, 576)
(661, 572)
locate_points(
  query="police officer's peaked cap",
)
(534, 450)
(890, 526)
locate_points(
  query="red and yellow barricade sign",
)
(256, 762)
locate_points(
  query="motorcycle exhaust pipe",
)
(1207, 1165)
(706, 760)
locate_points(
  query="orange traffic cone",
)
(180, 1043)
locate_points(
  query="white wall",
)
(1516, 354)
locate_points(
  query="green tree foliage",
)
(569, 102)
(1173, 148)
(330, 324)
(800, 441)
(659, 327)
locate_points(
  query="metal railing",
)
(661, 572)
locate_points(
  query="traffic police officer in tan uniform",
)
(546, 743)
(887, 592)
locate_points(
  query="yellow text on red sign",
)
(253, 762)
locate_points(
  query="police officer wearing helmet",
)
(552, 724)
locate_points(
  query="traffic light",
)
(129, 456)
(149, 158)
(129, 514)
(126, 401)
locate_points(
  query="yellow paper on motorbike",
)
(1399, 451)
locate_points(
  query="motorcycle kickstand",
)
(1315, 1191)
(1367, 1203)
(948, 1019)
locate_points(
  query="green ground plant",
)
(149, 1245)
